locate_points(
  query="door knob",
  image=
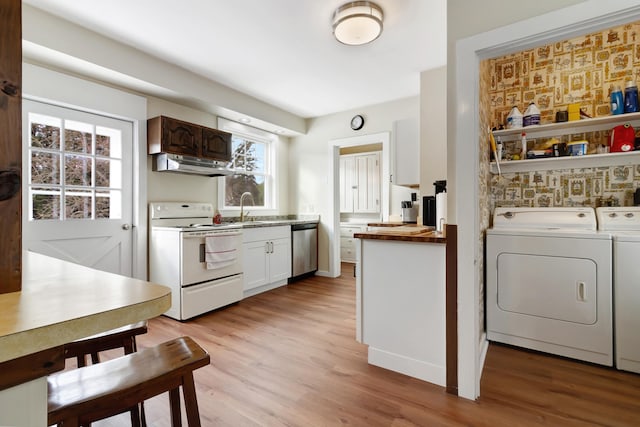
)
(126, 226)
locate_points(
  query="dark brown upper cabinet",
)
(216, 144)
(167, 135)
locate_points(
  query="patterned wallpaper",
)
(581, 70)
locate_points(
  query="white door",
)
(77, 186)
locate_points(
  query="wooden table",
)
(60, 302)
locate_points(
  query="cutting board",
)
(403, 231)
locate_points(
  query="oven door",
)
(224, 255)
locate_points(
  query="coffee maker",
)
(429, 215)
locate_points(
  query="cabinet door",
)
(180, 137)
(255, 264)
(280, 260)
(347, 182)
(216, 144)
(406, 168)
(367, 198)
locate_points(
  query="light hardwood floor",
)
(288, 357)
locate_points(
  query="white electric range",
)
(200, 261)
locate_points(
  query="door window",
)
(75, 170)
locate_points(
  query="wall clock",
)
(357, 122)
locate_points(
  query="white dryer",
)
(549, 282)
(624, 223)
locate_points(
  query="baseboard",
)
(484, 347)
(324, 273)
(264, 288)
(422, 370)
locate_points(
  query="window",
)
(74, 170)
(252, 155)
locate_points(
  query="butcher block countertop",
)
(61, 302)
(403, 232)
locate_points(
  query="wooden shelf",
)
(565, 128)
(568, 162)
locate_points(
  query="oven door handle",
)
(202, 252)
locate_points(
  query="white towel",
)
(220, 251)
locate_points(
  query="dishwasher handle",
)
(307, 226)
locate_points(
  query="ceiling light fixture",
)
(357, 22)
(244, 120)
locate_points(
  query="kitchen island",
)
(400, 300)
(60, 302)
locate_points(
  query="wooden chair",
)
(124, 337)
(91, 393)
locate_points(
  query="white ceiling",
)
(279, 51)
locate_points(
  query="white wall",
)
(309, 161)
(433, 131)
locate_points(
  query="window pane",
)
(103, 206)
(45, 136)
(78, 137)
(78, 204)
(237, 152)
(102, 173)
(259, 157)
(109, 204)
(103, 147)
(45, 204)
(77, 170)
(108, 142)
(237, 184)
(45, 168)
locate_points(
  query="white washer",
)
(549, 282)
(624, 223)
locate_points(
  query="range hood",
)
(164, 162)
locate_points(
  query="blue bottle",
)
(617, 106)
(631, 97)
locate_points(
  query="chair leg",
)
(143, 417)
(190, 400)
(135, 416)
(82, 361)
(174, 399)
(95, 358)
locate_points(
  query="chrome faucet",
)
(246, 193)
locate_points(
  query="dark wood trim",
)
(31, 366)
(10, 145)
(452, 308)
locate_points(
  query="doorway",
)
(77, 186)
(334, 183)
(558, 25)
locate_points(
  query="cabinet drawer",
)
(347, 231)
(347, 242)
(266, 233)
(348, 254)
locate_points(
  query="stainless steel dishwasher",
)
(304, 250)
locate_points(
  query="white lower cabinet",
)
(347, 242)
(266, 255)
